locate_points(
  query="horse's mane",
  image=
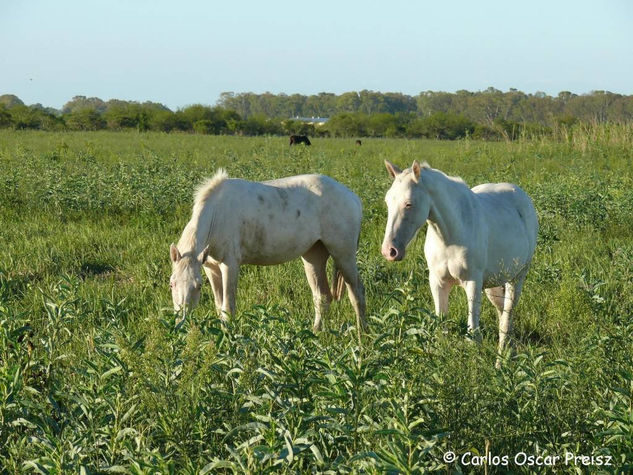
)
(455, 179)
(187, 240)
(207, 187)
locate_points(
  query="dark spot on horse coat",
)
(260, 198)
(298, 213)
(253, 235)
(283, 195)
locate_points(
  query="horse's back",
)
(274, 221)
(339, 209)
(324, 188)
(501, 198)
(511, 220)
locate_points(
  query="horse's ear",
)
(174, 253)
(392, 169)
(416, 169)
(202, 257)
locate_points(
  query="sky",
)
(189, 51)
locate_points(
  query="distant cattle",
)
(297, 139)
(358, 142)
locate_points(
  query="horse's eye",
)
(408, 206)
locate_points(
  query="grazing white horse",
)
(237, 222)
(479, 238)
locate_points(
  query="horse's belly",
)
(272, 243)
(501, 270)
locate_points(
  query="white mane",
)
(206, 188)
(202, 194)
(455, 179)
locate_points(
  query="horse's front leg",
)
(473, 294)
(215, 277)
(440, 294)
(230, 270)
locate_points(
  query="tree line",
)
(489, 114)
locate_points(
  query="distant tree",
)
(565, 96)
(203, 126)
(442, 125)
(566, 120)
(484, 132)
(5, 117)
(10, 100)
(24, 117)
(209, 120)
(122, 114)
(430, 102)
(347, 125)
(162, 121)
(621, 110)
(417, 128)
(320, 105)
(29, 117)
(83, 102)
(85, 119)
(297, 127)
(370, 102)
(348, 102)
(47, 110)
(396, 102)
(381, 125)
(259, 125)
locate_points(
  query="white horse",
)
(479, 238)
(237, 222)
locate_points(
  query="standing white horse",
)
(237, 222)
(479, 238)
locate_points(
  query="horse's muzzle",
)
(391, 253)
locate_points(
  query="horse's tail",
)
(338, 284)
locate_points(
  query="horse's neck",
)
(447, 199)
(197, 232)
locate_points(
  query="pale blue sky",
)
(183, 52)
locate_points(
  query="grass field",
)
(94, 376)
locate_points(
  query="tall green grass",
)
(94, 376)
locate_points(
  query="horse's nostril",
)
(393, 252)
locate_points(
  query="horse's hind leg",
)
(496, 295)
(347, 265)
(512, 293)
(215, 277)
(314, 263)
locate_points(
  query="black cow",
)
(297, 139)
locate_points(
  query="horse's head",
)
(408, 207)
(186, 279)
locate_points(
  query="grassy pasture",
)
(94, 376)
